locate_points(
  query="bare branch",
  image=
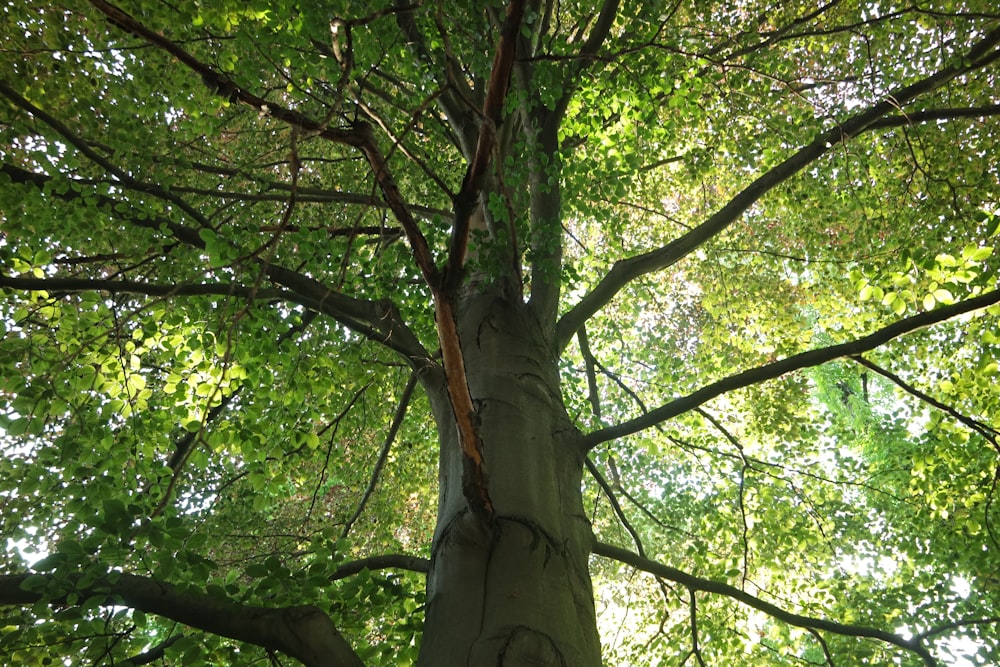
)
(304, 633)
(694, 583)
(795, 362)
(627, 270)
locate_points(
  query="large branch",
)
(467, 200)
(64, 285)
(793, 363)
(588, 52)
(627, 270)
(456, 100)
(693, 583)
(304, 633)
(376, 320)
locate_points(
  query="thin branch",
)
(925, 115)
(222, 85)
(335, 426)
(184, 234)
(593, 394)
(378, 321)
(822, 644)
(625, 271)
(305, 633)
(985, 430)
(69, 285)
(598, 34)
(615, 505)
(694, 583)
(310, 195)
(155, 653)
(383, 455)
(693, 606)
(954, 625)
(795, 362)
(456, 98)
(741, 495)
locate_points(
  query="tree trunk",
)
(515, 591)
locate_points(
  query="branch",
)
(456, 98)
(627, 270)
(789, 364)
(615, 505)
(693, 605)
(68, 285)
(359, 136)
(926, 115)
(598, 34)
(155, 653)
(222, 85)
(383, 455)
(383, 562)
(377, 320)
(186, 235)
(467, 200)
(305, 633)
(988, 432)
(122, 176)
(694, 583)
(380, 320)
(589, 361)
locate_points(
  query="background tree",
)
(699, 290)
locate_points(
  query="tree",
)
(699, 290)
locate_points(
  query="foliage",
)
(213, 300)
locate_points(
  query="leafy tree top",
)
(239, 240)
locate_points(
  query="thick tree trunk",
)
(515, 591)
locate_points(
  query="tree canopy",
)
(274, 275)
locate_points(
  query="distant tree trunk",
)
(517, 591)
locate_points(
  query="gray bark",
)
(515, 590)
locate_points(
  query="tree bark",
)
(305, 633)
(515, 590)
